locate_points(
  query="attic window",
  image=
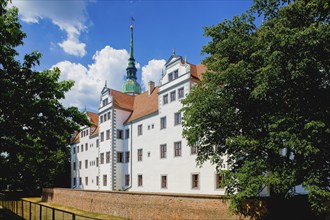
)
(173, 75)
(105, 102)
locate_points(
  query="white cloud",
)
(69, 16)
(152, 72)
(109, 64)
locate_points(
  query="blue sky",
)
(89, 40)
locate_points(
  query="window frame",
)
(139, 154)
(163, 123)
(163, 151)
(177, 152)
(193, 181)
(175, 118)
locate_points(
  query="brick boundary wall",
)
(136, 205)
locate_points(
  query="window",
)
(74, 150)
(109, 115)
(219, 178)
(139, 154)
(170, 77)
(172, 96)
(163, 150)
(163, 123)
(175, 74)
(127, 180)
(86, 132)
(86, 164)
(107, 155)
(126, 133)
(120, 158)
(105, 117)
(105, 180)
(165, 99)
(97, 143)
(139, 180)
(74, 165)
(195, 181)
(74, 181)
(193, 149)
(102, 158)
(97, 161)
(163, 182)
(139, 129)
(180, 93)
(97, 180)
(101, 119)
(119, 134)
(102, 136)
(79, 165)
(177, 118)
(127, 157)
(105, 102)
(86, 146)
(177, 149)
(86, 181)
(77, 149)
(107, 134)
(80, 181)
(82, 148)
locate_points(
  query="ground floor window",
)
(97, 180)
(164, 182)
(86, 181)
(219, 178)
(140, 180)
(195, 181)
(127, 180)
(105, 180)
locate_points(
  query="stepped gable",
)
(144, 104)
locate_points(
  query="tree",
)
(34, 126)
(264, 101)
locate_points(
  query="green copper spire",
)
(131, 86)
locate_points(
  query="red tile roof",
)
(122, 100)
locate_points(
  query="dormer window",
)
(173, 75)
(176, 74)
(170, 77)
(105, 102)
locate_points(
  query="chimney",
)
(151, 86)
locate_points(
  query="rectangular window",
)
(127, 180)
(101, 119)
(109, 115)
(86, 181)
(126, 133)
(165, 99)
(107, 134)
(97, 143)
(164, 182)
(102, 158)
(105, 180)
(163, 123)
(97, 161)
(97, 180)
(139, 129)
(140, 180)
(177, 149)
(105, 117)
(102, 136)
(80, 181)
(219, 178)
(140, 154)
(86, 146)
(82, 148)
(172, 96)
(107, 155)
(193, 149)
(119, 134)
(120, 158)
(170, 77)
(74, 150)
(77, 149)
(86, 132)
(175, 74)
(79, 165)
(127, 157)
(86, 164)
(74, 181)
(163, 151)
(195, 181)
(177, 118)
(180, 93)
(74, 165)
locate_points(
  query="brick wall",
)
(136, 205)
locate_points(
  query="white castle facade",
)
(135, 142)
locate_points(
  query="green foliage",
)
(34, 126)
(264, 101)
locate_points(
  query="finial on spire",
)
(185, 59)
(173, 51)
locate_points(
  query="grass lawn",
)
(47, 213)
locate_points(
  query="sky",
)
(89, 40)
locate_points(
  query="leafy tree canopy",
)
(34, 125)
(264, 103)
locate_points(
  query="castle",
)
(135, 142)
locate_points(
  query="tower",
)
(131, 87)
